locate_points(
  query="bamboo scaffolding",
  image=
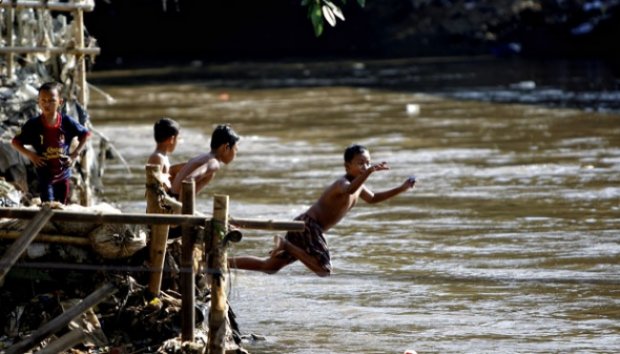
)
(49, 5)
(79, 50)
(62, 320)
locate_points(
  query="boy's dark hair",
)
(352, 150)
(165, 128)
(51, 86)
(223, 134)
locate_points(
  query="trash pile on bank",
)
(68, 263)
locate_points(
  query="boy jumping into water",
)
(166, 132)
(310, 246)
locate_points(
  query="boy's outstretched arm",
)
(358, 182)
(373, 198)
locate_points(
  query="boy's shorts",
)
(311, 241)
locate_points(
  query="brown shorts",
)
(311, 240)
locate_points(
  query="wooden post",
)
(188, 314)
(62, 320)
(218, 315)
(159, 233)
(86, 196)
(11, 42)
(18, 247)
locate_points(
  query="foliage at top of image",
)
(320, 11)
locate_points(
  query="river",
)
(508, 244)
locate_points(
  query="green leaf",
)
(329, 15)
(362, 3)
(305, 2)
(316, 16)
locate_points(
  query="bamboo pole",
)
(18, 247)
(11, 42)
(159, 233)
(272, 225)
(62, 320)
(65, 342)
(86, 196)
(147, 219)
(101, 218)
(65, 240)
(81, 65)
(51, 5)
(52, 50)
(218, 268)
(188, 315)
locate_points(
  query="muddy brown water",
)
(510, 243)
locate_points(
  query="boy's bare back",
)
(200, 168)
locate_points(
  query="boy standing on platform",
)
(310, 245)
(166, 133)
(50, 135)
(203, 168)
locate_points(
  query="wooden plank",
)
(18, 247)
(62, 320)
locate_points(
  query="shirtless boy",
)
(203, 168)
(310, 246)
(166, 133)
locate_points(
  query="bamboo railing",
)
(215, 246)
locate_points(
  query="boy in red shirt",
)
(50, 135)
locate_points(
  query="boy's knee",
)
(272, 268)
(324, 273)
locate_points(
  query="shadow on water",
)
(509, 243)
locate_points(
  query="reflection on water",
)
(509, 243)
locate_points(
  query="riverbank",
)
(583, 84)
